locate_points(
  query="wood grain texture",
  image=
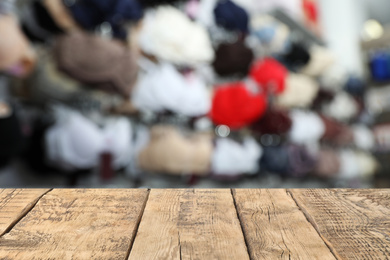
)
(77, 224)
(355, 223)
(275, 228)
(189, 224)
(15, 204)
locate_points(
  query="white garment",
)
(343, 107)
(356, 165)
(232, 158)
(307, 127)
(300, 91)
(170, 35)
(321, 59)
(364, 137)
(162, 87)
(74, 142)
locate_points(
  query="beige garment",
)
(14, 47)
(171, 152)
(61, 15)
(321, 59)
(328, 164)
(300, 91)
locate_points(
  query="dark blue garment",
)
(231, 16)
(275, 160)
(355, 86)
(92, 13)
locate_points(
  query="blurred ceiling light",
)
(372, 30)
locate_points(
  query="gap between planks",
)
(24, 213)
(312, 222)
(137, 225)
(232, 191)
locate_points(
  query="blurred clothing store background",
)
(195, 93)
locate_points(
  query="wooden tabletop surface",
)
(194, 224)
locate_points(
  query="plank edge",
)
(134, 235)
(27, 209)
(312, 222)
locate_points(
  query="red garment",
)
(310, 8)
(236, 106)
(270, 75)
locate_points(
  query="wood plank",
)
(189, 224)
(15, 204)
(275, 228)
(77, 224)
(355, 223)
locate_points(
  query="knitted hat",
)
(270, 75)
(171, 152)
(237, 105)
(74, 142)
(16, 56)
(337, 133)
(231, 16)
(233, 59)
(92, 13)
(188, 44)
(161, 88)
(274, 121)
(275, 159)
(296, 56)
(343, 107)
(307, 127)
(321, 60)
(300, 91)
(301, 161)
(233, 158)
(356, 165)
(93, 60)
(328, 164)
(364, 137)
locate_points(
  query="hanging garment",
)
(232, 158)
(237, 104)
(161, 87)
(187, 44)
(104, 63)
(171, 152)
(75, 142)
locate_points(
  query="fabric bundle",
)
(161, 88)
(106, 64)
(231, 158)
(16, 56)
(343, 107)
(233, 59)
(237, 104)
(91, 13)
(231, 16)
(170, 152)
(321, 59)
(328, 163)
(188, 44)
(336, 133)
(307, 127)
(288, 160)
(270, 75)
(75, 142)
(300, 92)
(274, 121)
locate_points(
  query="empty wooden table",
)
(194, 224)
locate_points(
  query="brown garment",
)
(337, 133)
(328, 164)
(233, 59)
(103, 63)
(171, 152)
